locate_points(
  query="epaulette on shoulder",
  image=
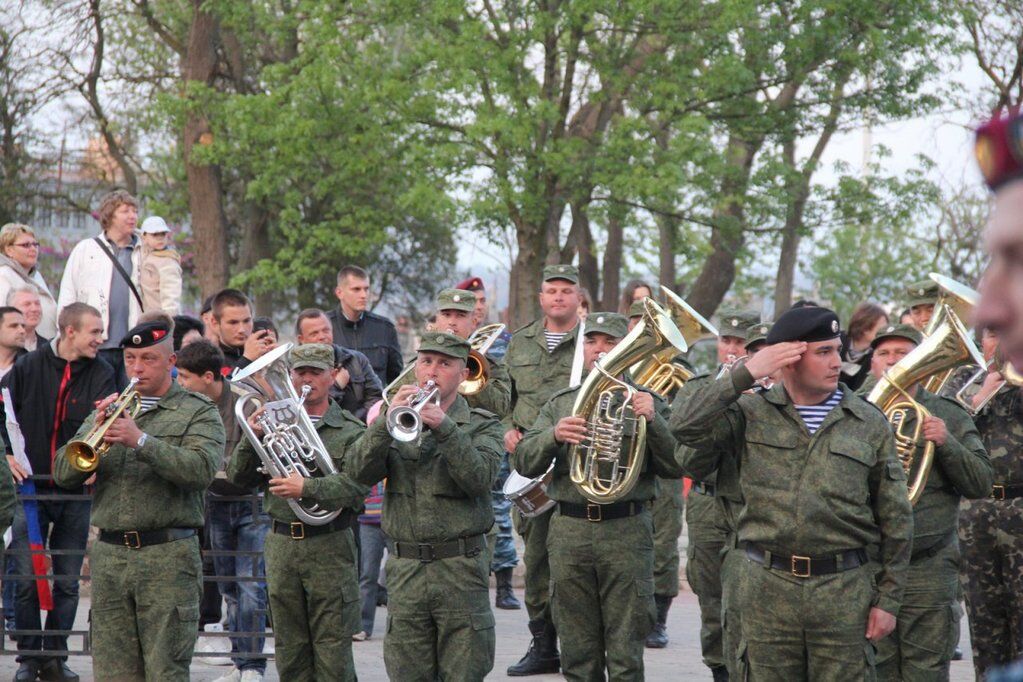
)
(351, 417)
(525, 326)
(200, 397)
(483, 413)
(563, 391)
(863, 400)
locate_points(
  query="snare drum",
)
(529, 494)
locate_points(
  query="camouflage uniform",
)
(991, 536)
(439, 622)
(602, 573)
(312, 580)
(667, 517)
(927, 629)
(840, 489)
(145, 602)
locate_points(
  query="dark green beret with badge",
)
(569, 273)
(922, 293)
(900, 331)
(445, 344)
(315, 355)
(809, 325)
(736, 322)
(145, 335)
(456, 299)
(614, 325)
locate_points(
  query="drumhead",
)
(515, 483)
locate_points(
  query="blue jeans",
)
(504, 544)
(372, 542)
(234, 527)
(66, 523)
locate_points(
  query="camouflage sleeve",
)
(506, 417)
(537, 449)
(473, 453)
(367, 461)
(65, 475)
(496, 397)
(895, 518)
(243, 466)
(707, 422)
(963, 458)
(338, 491)
(661, 444)
(7, 496)
(191, 465)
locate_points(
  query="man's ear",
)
(208, 378)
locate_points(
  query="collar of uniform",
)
(537, 333)
(169, 400)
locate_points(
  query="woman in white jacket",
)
(19, 257)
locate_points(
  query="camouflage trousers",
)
(991, 537)
(731, 615)
(313, 589)
(927, 630)
(796, 629)
(538, 568)
(667, 514)
(602, 595)
(707, 533)
(145, 610)
(439, 622)
(503, 554)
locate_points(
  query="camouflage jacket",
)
(535, 373)
(496, 397)
(725, 479)
(538, 449)
(439, 488)
(838, 489)
(163, 483)
(1000, 424)
(340, 431)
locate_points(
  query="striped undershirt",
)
(148, 402)
(315, 418)
(813, 415)
(553, 339)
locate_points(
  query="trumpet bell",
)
(85, 454)
(82, 456)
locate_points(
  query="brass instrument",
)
(398, 382)
(1010, 376)
(477, 364)
(289, 443)
(955, 297)
(606, 465)
(659, 373)
(404, 422)
(85, 454)
(949, 345)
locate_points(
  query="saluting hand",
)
(934, 430)
(571, 430)
(880, 624)
(289, 488)
(643, 405)
(774, 357)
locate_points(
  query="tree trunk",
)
(209, 229)
(667, 231)
(526, 274)
(589, 277)
(613, 260)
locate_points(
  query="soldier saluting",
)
(821, 483)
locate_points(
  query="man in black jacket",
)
(358, 329)
(232, 323)
(53, 389)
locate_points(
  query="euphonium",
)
(477, 364)
(606, 465)
(404, 422)
(948, 346)
(85, 454)
(659, 373)
(289, 443)
(957, 298)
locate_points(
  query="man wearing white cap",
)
(160, 273)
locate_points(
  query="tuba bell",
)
(290, 443)
(85, 454)
(607, 464)
(659, 373)
(948, 346)
(952, 297)
(477, 364)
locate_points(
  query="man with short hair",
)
(103, 271)
(231, 316)
(922, 297)
(26, 299)
(822, 487)
(436, 512)
(148, 504)
(356, 386)
(12, 338)
(357, 328)
(233, 525)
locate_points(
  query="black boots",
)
(658, 637)
(505, 597)
(56, 670)
(542, 656)
(720, 674)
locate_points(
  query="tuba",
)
(659, 373)
(948, 346)
(84, 454)
(290, 443)
(606, 465)
(958, 299)
(477, 364)
(404, 422)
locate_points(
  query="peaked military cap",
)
(445, 344)
(637, 308)
(757, 334)
(736, 322)
(615, 325)
(146, 334)
(805, 324)
(471, 284)
(456, 299)
(901, 331)
(315, 355)
(566, 272)
(922, 293)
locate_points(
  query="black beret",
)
(145, 335)
(805, 324)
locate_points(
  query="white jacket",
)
(87, 278)
(12, 276)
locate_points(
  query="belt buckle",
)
(132, 539)
(998, 492)
(300, 527)
(590, 515)
(795, 566)
(425, 553)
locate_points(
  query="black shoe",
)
(720, 674)
(55, 670)
(381, 595)
(542, 656)
(957, 655)
(658, 637)
(505, 596)
(28, 671)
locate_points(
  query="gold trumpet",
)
(659, 373)
(477, 364)
(85, 454)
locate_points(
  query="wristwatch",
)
(142, 440)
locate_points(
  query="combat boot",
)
(505, 597)
(658, 637)
(542, 656)
(720, 673)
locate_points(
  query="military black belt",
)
(427, 552)
(136, 539)
(932, 550)
(600, 512)
(808, 566)
(703, 488)
(296, 530)
(1006, 492)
